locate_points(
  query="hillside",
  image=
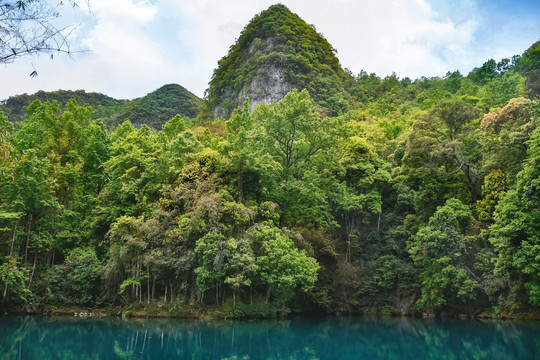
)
(154, 109)
(276, 52)
(529, 66)
(103, 105)
(158, 107)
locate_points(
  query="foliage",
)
(157, 107)
(529, 66)
(420, 195)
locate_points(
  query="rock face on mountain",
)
(275, 53)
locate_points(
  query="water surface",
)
(299, 338)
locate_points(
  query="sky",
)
(132, 47)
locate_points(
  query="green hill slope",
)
(158, 107)
(103, 105)
(154, 109)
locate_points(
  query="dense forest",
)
(383, 195)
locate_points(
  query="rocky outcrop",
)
(276, 53)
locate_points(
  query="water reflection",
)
(299, 338)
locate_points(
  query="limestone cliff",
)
(275, 53)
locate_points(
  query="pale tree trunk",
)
(10, 255)
(148, 283)
(268, 292)
(33, 270)
(28, 236)
(351, 225)
(13, 239)
(165, 297)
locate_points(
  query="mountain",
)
(529, 66)
(154, 109)
(103, 105)
(158, 107)
(276, 52)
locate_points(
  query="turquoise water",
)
(299, 338)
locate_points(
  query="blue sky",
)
(135, 46)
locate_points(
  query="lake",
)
(298, 338)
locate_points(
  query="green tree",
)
(282, 266)
(242, 149)
(515, 233)
(529, 66)
(442, 156)
(212, 255)
(444, 251)
(505, 137)
(299, 142)
(242, 265)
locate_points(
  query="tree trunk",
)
(7, 282)
(148, 283)
(217, 292)
(165, 297)
(268, 292)
(6, 287)
(33, 270)
(27, 237)
(13, 239)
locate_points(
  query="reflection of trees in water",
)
(299, 338)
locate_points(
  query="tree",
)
(7, 158)
(516, 231)
(212, 254)
(242, 151)
(281, 265)
(300, 143)
(242, 265)
(505, 136)
(529, 66)
(28, 27)
(442, 156)
(443, 251)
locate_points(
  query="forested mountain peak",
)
(153, 109)
(14, 107)
(158, 107)
(276, 52)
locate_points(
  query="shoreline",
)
(168, 311)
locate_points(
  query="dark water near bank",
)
(298, 338)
